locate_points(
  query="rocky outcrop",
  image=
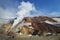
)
(39, 24)
(7, 26)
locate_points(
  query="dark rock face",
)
(39, 24)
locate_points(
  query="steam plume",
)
(24, 10)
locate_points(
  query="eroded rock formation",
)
(38, 24)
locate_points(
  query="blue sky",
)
(50, 5)
(44, 7)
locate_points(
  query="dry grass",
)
(4, 37)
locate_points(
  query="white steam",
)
(24, 10)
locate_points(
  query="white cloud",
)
(55, 14)
(38, 13)
(5, 13)
(51, 14)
